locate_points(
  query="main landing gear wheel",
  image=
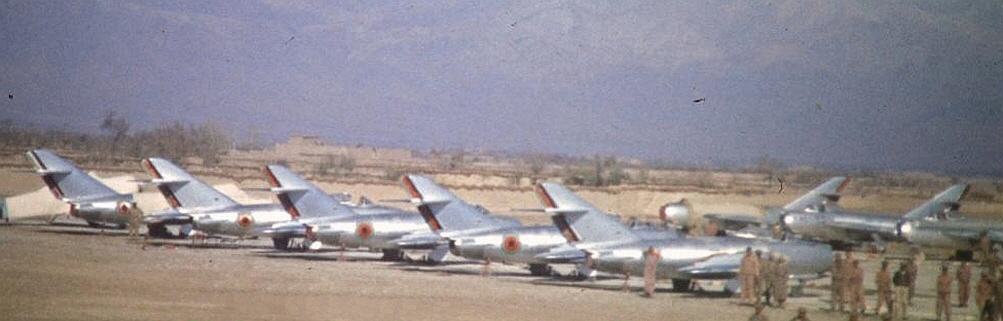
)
(538, 269)
(281, 243)
(681, 285)
(158, 231)
(392, 255)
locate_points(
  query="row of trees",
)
(174, 141)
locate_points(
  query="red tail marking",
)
(426, 213)
(150, 168)
(565, 228)
(53, 187)
(271, 178)
(965, 193)
(544, 197)
(410, 187)
(288, 205)
(843, 186)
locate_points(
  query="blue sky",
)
(849, 84)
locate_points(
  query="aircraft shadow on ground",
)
(618, 287)
(330, 256)
(81, 230)
(477, 271)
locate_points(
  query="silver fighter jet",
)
(843, 229)
(952, 231)
(613, 248)
(476, 235)
(325, 220)
(823, 198)
(89, 199)
(194, 203)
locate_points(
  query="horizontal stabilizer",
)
(171, 217)
(562, 254)
(718, 267)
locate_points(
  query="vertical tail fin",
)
(182, 189)
(825, 195)
(941, 204)
(66, 181)
(301, 198)
(443, 210)
(578, 220)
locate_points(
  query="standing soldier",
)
(758, 285)
(944, 294)
(781, 274)
(964, 276)
(134, 217)
(847, 272)
(982, 291)
(651, 257)
(913, 267)
(883, 281)
(855, 287)
(836, 289)
(766, 276)
(901, 282)
(747, 272)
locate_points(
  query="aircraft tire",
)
(392, 255)
(681, 285)
(281, 243)
(158, 231)
(539, 269)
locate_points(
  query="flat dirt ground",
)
(64, 272)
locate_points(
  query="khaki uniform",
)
(764, 283)
(913, 268)
(747, 272)
(855, 287)
(944, 295)
(134, 218)
(964, 277)
(883, 283)
(836, 289)
(847, 272)
(982, 291)
(781, 275)
(651, 257)
(901, 282)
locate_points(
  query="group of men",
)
(847, 284)
(764, 276)
(896, 291)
